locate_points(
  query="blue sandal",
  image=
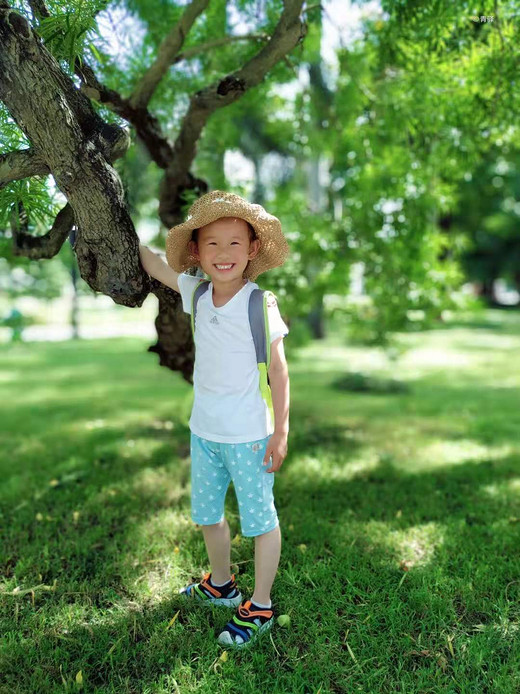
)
(246, 625)
(227, 595)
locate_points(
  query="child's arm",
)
(280, 389)
(155, 266)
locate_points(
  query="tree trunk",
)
(486, 291)
(73, 141)
(74, 311)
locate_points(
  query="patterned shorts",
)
(214, 465)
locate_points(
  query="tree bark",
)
(68, 135)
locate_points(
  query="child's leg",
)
(267, 556)
(258, 516)
(209, 483)
(218, 544)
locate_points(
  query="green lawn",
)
(400, 519)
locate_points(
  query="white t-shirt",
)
(228, 406)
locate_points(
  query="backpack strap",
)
(199, 290)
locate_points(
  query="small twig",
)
(17, 591)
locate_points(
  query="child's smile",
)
(224, 268)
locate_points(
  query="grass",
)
(399, 512)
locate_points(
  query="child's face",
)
(223, 242)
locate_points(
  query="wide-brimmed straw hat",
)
(274, 248)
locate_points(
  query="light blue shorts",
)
(214, 465)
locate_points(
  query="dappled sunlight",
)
(490, 342)
(419, 360)
(158, 482)
(503, 488)
(409, 547)
(124, 427)
(492, 490)
(438, 454)
(334, 356)
(308, 467)
(369, 460)
(417, 544)
(155, 578)
(514, 485)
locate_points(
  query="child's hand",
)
(277, 448)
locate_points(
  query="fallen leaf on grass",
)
(172, 620)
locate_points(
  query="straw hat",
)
(274, 248)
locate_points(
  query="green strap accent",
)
(252, 625)
(263, 367)
(265, 389)
(201, 593)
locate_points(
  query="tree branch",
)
(166, 54)
(48, 245)
(205, 47)
(39, 9)
(147, 127)
(22, 163)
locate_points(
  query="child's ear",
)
(254, 247)
(193, 249)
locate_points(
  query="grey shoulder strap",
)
(197, 293)
(257, 323)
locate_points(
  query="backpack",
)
(259, 325)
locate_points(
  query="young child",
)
(232, 432)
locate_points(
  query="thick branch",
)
(22, 163)
(166, 54)
(48, 245)
(147, 126)
(175, 342)
(39, 9)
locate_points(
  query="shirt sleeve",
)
(187, 284)
(277, 327)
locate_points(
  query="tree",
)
(72, 137)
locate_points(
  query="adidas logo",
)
(214, 320)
